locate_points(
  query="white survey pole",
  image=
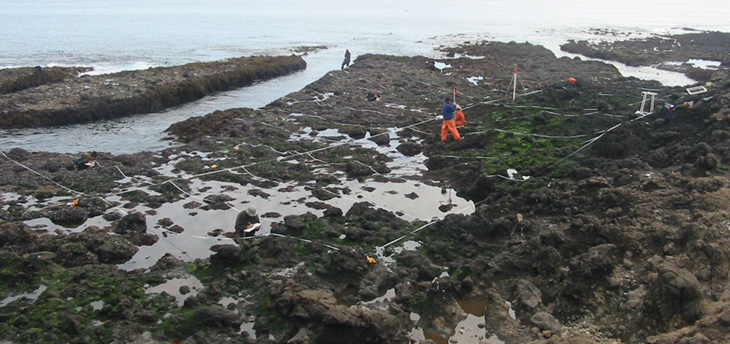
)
(514, 85)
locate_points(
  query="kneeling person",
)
(247, 224)
(459, 118)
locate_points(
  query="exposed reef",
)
(85, 98)
(593, 223)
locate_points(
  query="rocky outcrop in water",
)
(89, 98)
(17, 79)
(672, 52)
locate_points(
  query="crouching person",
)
(85, 160)
(247, 224)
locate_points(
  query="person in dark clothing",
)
(373, 96)
(448, 113)
(346, 62)
(247, 224)
(85, 160)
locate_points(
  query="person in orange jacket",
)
(459, 118)
(449, 126)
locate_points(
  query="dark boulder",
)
(420, 264)
(16, 234)
(355, 170)
(333, 212)
(279, 250)
(355, 132)
(332, 323)
(131, 223)
(166, 262)
(361, 326)
(67, 216)
(75, 254)
(381, 138)
(218, 202)
(18, 154)
(349, 260)
(201, 317)
(226, 255)
(529, 297)
(546, 322)
(676, 291)
(112, 248)
(409, 148)
(294, 224)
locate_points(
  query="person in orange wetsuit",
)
(459, 118)
(449, 126)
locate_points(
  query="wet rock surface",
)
(672, 52)
(17, 79)
(593, 224)
(68, 100)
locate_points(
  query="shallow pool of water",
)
(32, 296)
(469, 330)
(172, 288)
(404, 196)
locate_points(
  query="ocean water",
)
(115, 35)
(128, 34)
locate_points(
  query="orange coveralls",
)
(449, 126)
(448, 113)
(459, 118)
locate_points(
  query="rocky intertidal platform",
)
(670, 52)
(592, 223)
(17, 79)
(68, 99)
